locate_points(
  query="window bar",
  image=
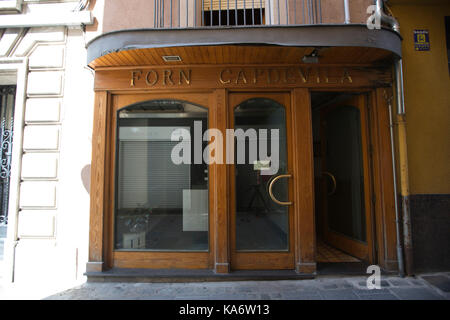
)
(159, 13)
(220, 13)
(278, 6)
(295, 12)
(245, 16)
(304, 13)
(307, 11)
(179, 13)
(171, 16)
(320, 10)
(203, 12)
(310, 12)
(154, 14)
(287, 11)
(228, 12)
(187, 13)
(162, 14)
(316, 12)
(260, 12)
(253, 12)
(235, 12)
(210, 13)
(195, 13)
(270, 12)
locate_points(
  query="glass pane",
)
(261, 224)
(346, 212)
(161, 202)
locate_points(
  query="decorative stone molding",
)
(37, 224)
(10, 6)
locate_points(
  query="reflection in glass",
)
(346, 210)
(160, 205)
(261, 224)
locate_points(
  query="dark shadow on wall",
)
(86, 177)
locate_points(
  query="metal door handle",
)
(334, 182)
(281, 203)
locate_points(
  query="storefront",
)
(276, 158)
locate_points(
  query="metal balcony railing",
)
(229, 13)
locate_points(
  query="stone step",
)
(190, 275)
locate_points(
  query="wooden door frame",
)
(362, 251)
(304, 217)
(261, 259)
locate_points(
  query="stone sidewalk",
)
(424, 287)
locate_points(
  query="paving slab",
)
(442, 282)
(416, 294)
(425, 287)
(341, 294)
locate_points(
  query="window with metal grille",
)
(7, 101)
(233, 12)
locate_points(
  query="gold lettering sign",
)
(166, 77)
(243, 76)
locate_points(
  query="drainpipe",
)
(403, 165)
(406, 263)
(346, 12)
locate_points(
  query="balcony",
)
(178, 14)
(170, 24)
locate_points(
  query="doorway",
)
(342, 179)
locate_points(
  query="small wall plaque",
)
(421, 40)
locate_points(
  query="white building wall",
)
(49, 237)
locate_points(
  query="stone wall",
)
(49, 235)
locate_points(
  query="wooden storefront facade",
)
(219, 78)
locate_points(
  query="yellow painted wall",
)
(427, 98)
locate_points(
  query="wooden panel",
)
(161, 260)
(383, 181)
(219, 185)
(212, 77)
(97, 192)
(305, 247)
(249, 54)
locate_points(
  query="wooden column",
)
(97, 188)
(383, 180)
(305, 242)
(222, 253)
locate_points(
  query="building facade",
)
(214, 137)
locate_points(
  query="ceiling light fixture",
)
(171, 58)
(313, 57)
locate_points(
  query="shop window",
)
(160, 204)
